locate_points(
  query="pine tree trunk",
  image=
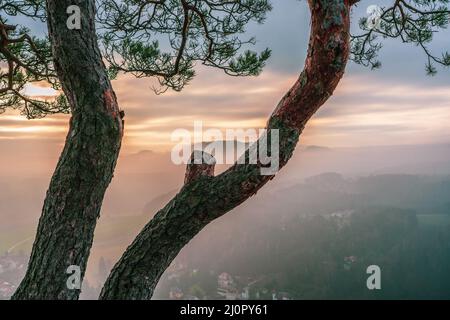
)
(85, 168)
(205, 197)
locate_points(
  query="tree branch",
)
(28, 60)
(203, 31)
(200, 164)
(412, 22)
(206, 198)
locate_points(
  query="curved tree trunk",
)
(85, 168)
(205, 197)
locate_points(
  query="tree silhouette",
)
(165, 39)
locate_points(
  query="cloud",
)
(362, 111)
(395, 105)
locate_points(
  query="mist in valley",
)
(309, 234)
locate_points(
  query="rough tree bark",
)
(85, 168)
(204, 197)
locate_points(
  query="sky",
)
(396, 105)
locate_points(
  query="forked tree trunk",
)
(205, 197)
(85, 168)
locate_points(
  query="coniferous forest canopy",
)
(353, 97)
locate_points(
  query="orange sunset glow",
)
(405, 110)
